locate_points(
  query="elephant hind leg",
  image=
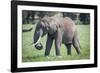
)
(76, 44)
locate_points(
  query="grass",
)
(30, 54)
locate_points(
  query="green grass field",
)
(30, 54)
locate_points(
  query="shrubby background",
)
(32, 16)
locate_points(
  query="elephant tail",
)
(76, 43)
(79, 43)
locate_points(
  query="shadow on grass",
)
(33, 58)
(27, 30)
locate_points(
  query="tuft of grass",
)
(30, 54)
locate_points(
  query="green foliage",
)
(30, 54)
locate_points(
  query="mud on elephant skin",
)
(62, 30)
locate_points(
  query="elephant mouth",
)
(37, 41)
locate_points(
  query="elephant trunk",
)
(37, 36)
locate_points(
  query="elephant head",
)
(46, 25)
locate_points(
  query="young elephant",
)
(62, 30)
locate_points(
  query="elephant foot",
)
(47, 57)
(59, 56)
(79, 53)
(69, 54)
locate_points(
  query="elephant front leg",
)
(58, 42)
(48, 45)
(68, 48)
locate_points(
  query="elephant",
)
(62, 30)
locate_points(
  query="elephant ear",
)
(57, 23)
(52, 24)
(45, 21)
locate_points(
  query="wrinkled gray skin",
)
(62, 30)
